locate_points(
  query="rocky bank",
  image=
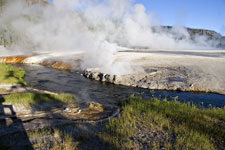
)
(187, 70)
(155, 79)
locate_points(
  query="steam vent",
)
(106, 74)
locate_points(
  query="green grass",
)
(28, 99)
(11, 75)
(53, 139)
(178, 125)
(3, 89)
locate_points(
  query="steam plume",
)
(96, 28)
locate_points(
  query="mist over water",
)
(106, 94)
(95, 28)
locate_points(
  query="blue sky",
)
(204, 14)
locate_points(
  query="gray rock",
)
(177, 78)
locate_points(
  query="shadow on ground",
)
(7, 121)
(60, 133)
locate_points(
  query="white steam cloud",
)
(95, 27)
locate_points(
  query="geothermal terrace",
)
(183, 70)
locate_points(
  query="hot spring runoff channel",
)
(85, 90)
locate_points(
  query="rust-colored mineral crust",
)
(13, 59)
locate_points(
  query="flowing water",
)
(104, 93)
